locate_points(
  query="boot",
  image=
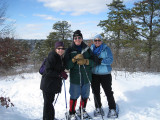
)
(73, 103)
(72, 117)
(82, 105)
(98, 112)
(112, 113)
(83, 102)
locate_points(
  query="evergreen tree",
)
(61, 32)
(62, 28)
(119, 26)
(147, 19)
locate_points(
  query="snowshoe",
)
(98, 112)
(71, 117)
(86, 116)
(113, 113)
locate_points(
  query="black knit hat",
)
(77, 33)
(58, 44)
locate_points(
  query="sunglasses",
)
(61, 48)
(77, 38)
(97, 40)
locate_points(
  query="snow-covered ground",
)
(137, 95)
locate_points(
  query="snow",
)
(137, 95)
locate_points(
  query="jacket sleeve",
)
(68, 60)
(108, 60)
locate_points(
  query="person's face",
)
(97, 42)
(78, 40)
(60, 50)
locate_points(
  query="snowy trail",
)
(137, 95)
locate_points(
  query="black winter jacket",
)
(51, 80)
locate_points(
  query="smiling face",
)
(60, 50)
(97, 42)
(78, 40)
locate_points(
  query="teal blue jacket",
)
(107, 59)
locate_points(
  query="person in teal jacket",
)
(101, 75)
(78, 61)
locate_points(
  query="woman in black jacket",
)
(51, 81)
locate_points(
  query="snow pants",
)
(48, 109)
(106, 82)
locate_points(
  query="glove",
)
(99, 61)
(64, 75)
(83, 62)
(77, 57)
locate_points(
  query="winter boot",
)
(98, 112)
(112, 113)
(85, 114)
(83, 103)
(72, 117)
(73, 103)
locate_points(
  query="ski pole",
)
(92, 90)
(56, 100)
(65, 99)
(81, 93)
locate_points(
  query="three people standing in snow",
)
(87, 66)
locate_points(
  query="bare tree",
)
(6, 28)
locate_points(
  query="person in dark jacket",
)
(78, 61)
(51, 81)
(101, 75)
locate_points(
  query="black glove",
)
(99, 61)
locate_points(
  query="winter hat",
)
(58, 44)
(77, 33)
(98, 37)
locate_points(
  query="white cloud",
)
(33, 30)
(77, 7)
(46, 17)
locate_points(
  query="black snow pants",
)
(106, 82)
(48, 109)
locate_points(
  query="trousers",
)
(48, 108)
(106, 82)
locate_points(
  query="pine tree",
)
(147, 19)
(61, 32)
(62, 28)
(119, 26)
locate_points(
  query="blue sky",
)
(34, 18)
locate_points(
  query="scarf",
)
(79, 48)
(97, 50)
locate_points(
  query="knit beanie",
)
(77, 33)
(58, 44)
(98, 37)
